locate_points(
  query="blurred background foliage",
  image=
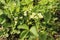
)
(30, 19)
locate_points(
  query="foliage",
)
(29, 19)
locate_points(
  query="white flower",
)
(30, 9)
(36, 17)
(15, 18)
(15, 22)
(40, 15)
(31, 16)
(21, 17)
(25, 13)
(34, 14)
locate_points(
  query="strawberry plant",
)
(30, 19)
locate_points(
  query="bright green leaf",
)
(34, 31)
(24, 26)
(24, 34)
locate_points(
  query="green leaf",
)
(24, 26)
(1, 12)
(34, 31)
(47, 17)
(43, 2)
(24, 2)
(1, 33)
(1, 20)
(32, 37)
(28, 1)
(24, 34)
(43, 35)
